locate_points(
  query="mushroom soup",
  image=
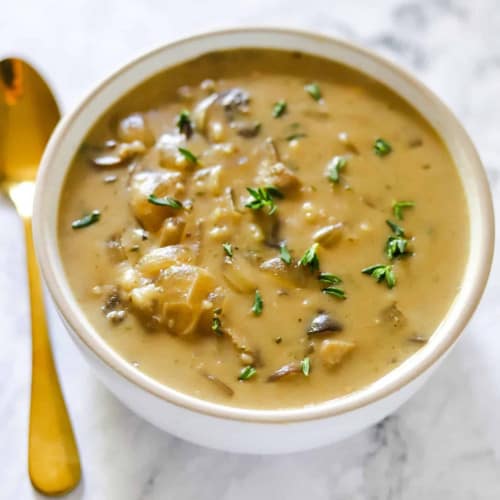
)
(263, 229)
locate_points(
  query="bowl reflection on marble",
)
(252, 430)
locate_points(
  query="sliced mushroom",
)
(275, 266)
(270, 226)
(119, 155)
(107, 160)
(218, 383)
(234, 100)
(418, 339)
(114, 308)
(415, 142)
(115, 249)
(246, 129)
(200, 112)
(285, 370)
(329, 235)
(229, 103)
(324, 323)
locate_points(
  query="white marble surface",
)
(444, 444)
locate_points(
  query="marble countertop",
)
(443, 444)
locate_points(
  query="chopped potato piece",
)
(128, 277)
(159, 259)
(208, 180)
(145, 183)
(332, 352)
(277, 175)
(167, 148)
(171, 231)
(145, 298)
(176, 299)
(133, 128)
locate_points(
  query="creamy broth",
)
(258, 299)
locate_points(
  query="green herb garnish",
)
(313, 90)
(279, 108)
(335, 166)
(167, 201)
(381, 271)
(258, 304)
(305, 366)
(217, 325)
(398, 230)
(285, 254)
(310, 258)
(381, 147)
(329, 278)
(184, 123)
(294, 137)
(247, 372)
(263, 197)
(86, 220)
(395, 246)
(397, 208)
(188, 155)
(228, 248)
(335, 292)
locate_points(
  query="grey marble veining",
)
(443, 444)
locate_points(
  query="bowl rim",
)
(403, 375)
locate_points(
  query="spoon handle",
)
(54, 464)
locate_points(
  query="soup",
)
(263, 229)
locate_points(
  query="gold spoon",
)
(28, 114)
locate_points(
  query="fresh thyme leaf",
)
(397, 230)
(334, 167)
(228, 248)
(313, 90)
(279, 108)
(395, 246)
(217, 325)
(310, 258)
(381, 271)
(258, 304)
(184, 123)
(188, 155)
(397, 208)
(285, 254)
(390, 277)
(294, 137)
(335, 291)
(167, 201)
(247, 372)
(329, 278)
(264, 197)
(381, 147)
(305, 366)
(86, 220)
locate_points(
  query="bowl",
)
(251, 430)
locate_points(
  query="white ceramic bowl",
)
(244, 430)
